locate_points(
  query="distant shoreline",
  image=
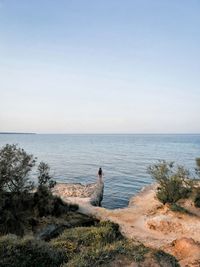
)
(14, 133)
(152, 134)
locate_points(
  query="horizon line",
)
(90, 133)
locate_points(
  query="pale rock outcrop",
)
(90, 194)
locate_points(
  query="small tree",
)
(15, 187)
(198, 167)
(197, 190)
(43, 198)
(173, 181)
(15, 167)
(44, 178)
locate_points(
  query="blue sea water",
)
(124, 158)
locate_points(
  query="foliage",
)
(174, 182)
(197, 197)
(18, 202)
(15, 185)
(78, 247)
(15, 212)
(43, 202)
(43, 198)
(15, 167)
(198, 167)
(106, 233)
(96, 245)
(44, 178)
(177, 208)
(29, 252)
(102, 255)
(167, 258)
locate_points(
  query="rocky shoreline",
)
(89, 194)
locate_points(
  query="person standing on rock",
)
(100, 174)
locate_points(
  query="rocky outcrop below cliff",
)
(90, 194)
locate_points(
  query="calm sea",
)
(124, 158)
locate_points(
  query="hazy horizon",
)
(100, 67)
(103, 133)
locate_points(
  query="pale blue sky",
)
(109, 66)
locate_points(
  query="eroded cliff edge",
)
(148, 221)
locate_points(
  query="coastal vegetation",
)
(39, 229)
(197, 190)
(22, 203)
(98, 245)
(175, 183)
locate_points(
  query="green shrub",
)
(43, 198)
(177, 208)
(15, 252)
(44, 178)
(198, 162)
(173, 182)
(43, 201)
(18, 204)
(100, 245)
(163, 257)
(198, 167)
(197, 197)
(15, 212)
(96, 245)
(15, 167)
(97, 255)
(105, 233)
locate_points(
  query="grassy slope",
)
(98, 245)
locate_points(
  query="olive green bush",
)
(97, 245)
(105, 233)
(100, 245)
(102, 255)
(166, 259)
(19, 203)
(17, 252)
(197, 197)
(198, 167)
(173, 181)
(197, 189)
(93, 246)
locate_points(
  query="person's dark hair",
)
(100, 172)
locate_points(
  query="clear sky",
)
(108, 66)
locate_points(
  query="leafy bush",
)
(15, 212)
(197, 197)
(174, 182)
(29, 252)
(198, 162)
(18, 203)
(177, 208)
(43, 198)
(96, 245)
(101, 255)
(198, 167)
(44, 178)
(15, 167)
(105, 233)
(167, 258)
